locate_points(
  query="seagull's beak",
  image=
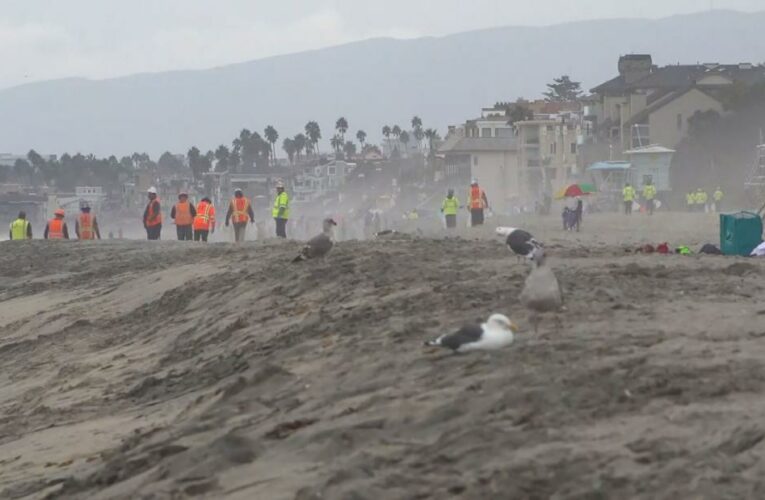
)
(513, 327)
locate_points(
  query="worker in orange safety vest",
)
(204, 221)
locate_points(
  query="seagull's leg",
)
(558, 323)
(534, 320)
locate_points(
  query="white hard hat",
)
(280, 184)
(152, 190)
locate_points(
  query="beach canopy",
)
(575, 190)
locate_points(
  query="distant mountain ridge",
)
(374, 82)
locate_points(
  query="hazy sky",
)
(42, 39)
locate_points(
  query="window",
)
(475, 160)
(331, 170)
(549, 128)
(679, 121)
(615, 133)
(485, 132)
(573, 148)
(553, 148)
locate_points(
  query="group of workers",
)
(197, 223)
(477, 204)
(85, 226)
(648, 194)
(698, 201)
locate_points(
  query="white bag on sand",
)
(759, 251)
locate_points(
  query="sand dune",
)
(168, 370)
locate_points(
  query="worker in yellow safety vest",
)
(281, 210)
(690, 201)
(21, 228)
(629, 198)
(701, 200)
(449, 208)
(649, 195)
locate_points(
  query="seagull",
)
(522, 243)
(320, 245)
(542, 292)
(495, 334)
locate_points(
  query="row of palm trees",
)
(251, 149)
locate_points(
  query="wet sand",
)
(170, 370)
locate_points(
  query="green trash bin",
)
(740, 233)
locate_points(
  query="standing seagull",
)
(541, 293)
(521, 242)
(320, 245)
(496, 333)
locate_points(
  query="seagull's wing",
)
(319, 246)
(465, 335)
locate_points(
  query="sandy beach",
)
(166, 370)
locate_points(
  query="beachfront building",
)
(485, 149)
(646, 104)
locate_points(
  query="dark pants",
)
(451, 221)
(650, 206)
(184, 233)
(153, 232)
(578, 219)
(628, 207)
(240, 228)
(476, 216)
(281, 228)
(201, 234)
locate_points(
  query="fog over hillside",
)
(444, 80)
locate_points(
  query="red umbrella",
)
(572, 191)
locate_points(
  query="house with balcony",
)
(650, 105)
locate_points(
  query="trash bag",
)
(710, 249)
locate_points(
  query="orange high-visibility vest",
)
(183, 214)
(86, 227)
(205, 216)
(56, 229)
(476, 197)
(239, 214)
(152, 219)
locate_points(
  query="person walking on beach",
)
(579, 211)
(86, 225)
(183, 213)
(152, 216)
(204, 220)
(449, 208)
(239, 212)
(281, 210)
(21, 228)
(628, 194)
(718, 197)
(649, 195)
(56, 228)
(701, 200)
(690, 201)
(477, 203)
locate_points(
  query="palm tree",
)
(313, 132)
(272, 136)
(386, 131)
(404, 137)
(300, 144)
(396, 131)
(362, 137)
(222, 156)
(342, 127)
(289, 147)
(432, 136)
(419, 135)
(349, 149)
(416, 122)
(336, 142)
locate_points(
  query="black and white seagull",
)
(320, 245)
(522, 243)
(496, 333)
